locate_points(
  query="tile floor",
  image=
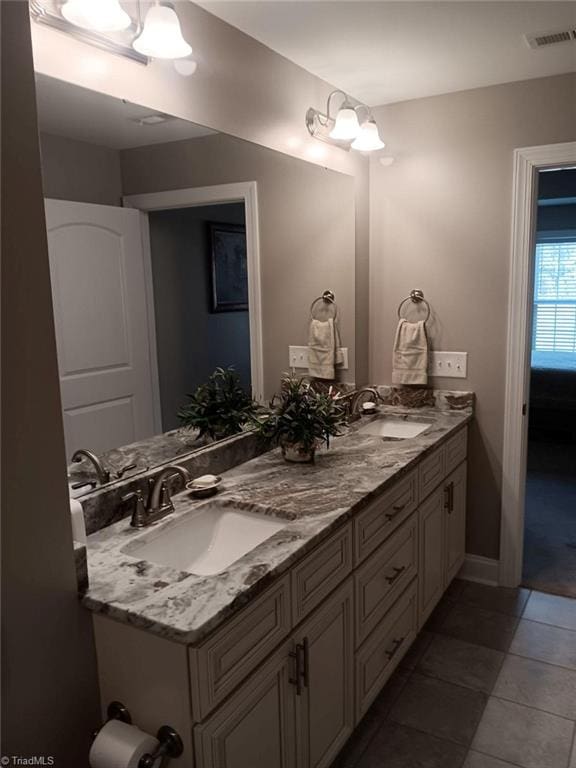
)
(490, 682)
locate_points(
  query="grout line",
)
(548, 624)
(536, 709)
(543, 661)
(534, 658)
(505, 762)
(434, 735)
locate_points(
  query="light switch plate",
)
(449, 364)
(298, 357)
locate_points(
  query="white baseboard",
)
(481, 569)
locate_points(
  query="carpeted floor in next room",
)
(489, 683)
(550, 522)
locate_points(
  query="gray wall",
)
(50, 693)
(76, 170)
(441, 221)
(307, 230)
(191, 339)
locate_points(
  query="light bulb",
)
(97, 15)
(346, 126)
(368, 139)
(161, 37)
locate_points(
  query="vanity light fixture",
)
(368, 138)
(345, 130)
(346, 125)
(101, 16)
(106, 24)
(161, 37)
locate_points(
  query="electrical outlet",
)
(298, 357)
(449, 364)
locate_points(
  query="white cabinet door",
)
(101, 312)
(325, 708)
(432, 553)
(455, 522)
(255, 727)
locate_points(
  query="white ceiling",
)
(78, 113)
(382, 52)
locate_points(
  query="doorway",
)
(529, 162)
(549, 562)
(190, 249)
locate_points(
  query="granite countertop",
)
(312, 499)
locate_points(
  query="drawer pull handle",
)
(396, 575)
(306, 660)
(395, 647)
(449, 497)
(396, 511)
(296, 654)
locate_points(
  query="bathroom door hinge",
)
(523, 409)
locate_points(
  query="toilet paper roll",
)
(119, 745)
(78, 524)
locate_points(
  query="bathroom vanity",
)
(273, 661)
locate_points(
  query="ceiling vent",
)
(543, 39)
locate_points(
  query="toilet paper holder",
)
(170, 742)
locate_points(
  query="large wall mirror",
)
(175, 251)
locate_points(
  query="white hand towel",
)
(410, 356)
(323, 349)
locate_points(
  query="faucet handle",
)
(136, 500)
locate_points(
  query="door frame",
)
(527, 162)
(245, 192)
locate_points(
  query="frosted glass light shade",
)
(161, 37)
(97, 15)
(368, 139)
(346, 126)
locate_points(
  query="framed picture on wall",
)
(229, 268)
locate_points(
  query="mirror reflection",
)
(153, 233)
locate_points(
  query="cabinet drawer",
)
(379, 656)
(384, 515)
(382, 578)
(431, 473)
(455, 450)
(320, 572)
(227, 657)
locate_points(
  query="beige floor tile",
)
(456, 661)
(524, 736)
(499, 599)
(545, 643)
(551, 609)
(538, 685)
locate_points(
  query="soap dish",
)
(204, 486)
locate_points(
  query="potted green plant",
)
(220, 407)
(300, 419)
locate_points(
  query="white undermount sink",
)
(390, 427)
(208, 540)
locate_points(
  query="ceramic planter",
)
(298, 453)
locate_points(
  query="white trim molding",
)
(527, 162)
(484, 570)
(246, 192)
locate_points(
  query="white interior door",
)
(101, 311)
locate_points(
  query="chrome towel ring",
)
(326, 298)
(416, 297)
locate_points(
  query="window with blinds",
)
(554, 330)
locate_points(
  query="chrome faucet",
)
(83, 453)
(159, 503)
(354, 398)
